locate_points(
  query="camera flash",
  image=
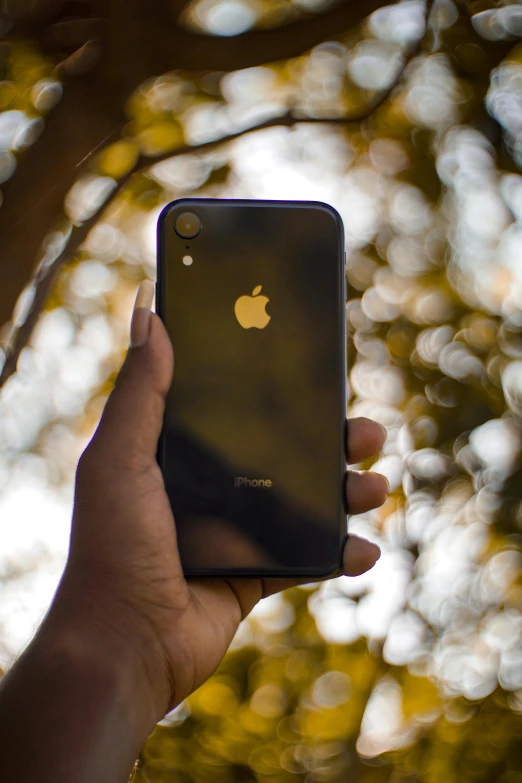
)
(187, 260)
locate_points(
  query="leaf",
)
(118, 159)
(257, 290)
(161, 137)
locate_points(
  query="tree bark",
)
(141, 40)
(33, 198)
(157, 32)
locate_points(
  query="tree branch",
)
(43, 284)
(257, 47)
(34, 196)
(290, 118)
(151, 30)
(137, 41)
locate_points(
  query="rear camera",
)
(188, 225)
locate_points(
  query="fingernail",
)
(384, 430)
(388, 483)
(377, 550)
(139, 330)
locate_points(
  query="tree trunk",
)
(33, 198)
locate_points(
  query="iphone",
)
(252, 294)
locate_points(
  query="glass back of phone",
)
(252, 450)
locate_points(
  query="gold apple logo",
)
(250, 310)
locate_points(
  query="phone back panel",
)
(252, 449)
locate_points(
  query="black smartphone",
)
(252, 294)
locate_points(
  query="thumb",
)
(128, 432)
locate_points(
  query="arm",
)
(74, 708)
(127, 637)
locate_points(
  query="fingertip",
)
(384, 431)
(380, 486)
(365, 491)
(364, 438)
(360, 555)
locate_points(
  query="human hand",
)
(123, 585)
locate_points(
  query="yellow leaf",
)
(419, 696)
(7, 93)
(216, 697)
(118, 159)
(329, 725)
(160, 137)
(257, 290)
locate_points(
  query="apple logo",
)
(250, 310)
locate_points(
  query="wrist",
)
(94, 709)
(94, 643)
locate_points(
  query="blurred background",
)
(412, 129)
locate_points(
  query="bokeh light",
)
(398, 673)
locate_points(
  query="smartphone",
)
(252, 294)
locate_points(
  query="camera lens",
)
(188, 225)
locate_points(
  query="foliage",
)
(413, 672)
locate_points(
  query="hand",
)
(123, 579)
